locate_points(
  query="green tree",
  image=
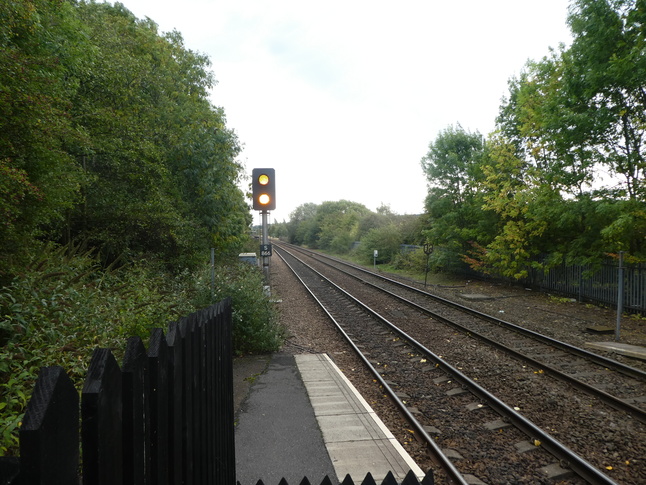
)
(338, 222)
(161, 159)
(577, 116)
(453, 168)
(604, 74)
(513, 192)
(42, 49)
(302, 227)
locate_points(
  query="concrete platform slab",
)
(475, 296)
(634, 351)
(356, 439)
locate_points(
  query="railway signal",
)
(263, 187)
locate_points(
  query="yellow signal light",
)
(264, 189)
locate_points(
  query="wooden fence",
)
(389, 479)
(165, 417)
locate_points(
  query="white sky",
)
(342, 98)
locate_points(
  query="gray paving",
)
(277, 435)
(303, 418)
(634, 351)
(356, 439)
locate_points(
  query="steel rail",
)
(438, 457)
(598, 359)
(609, 399)
(576, 463)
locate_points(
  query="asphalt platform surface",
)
(277, 435)
(299, 416)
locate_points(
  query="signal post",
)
(263, 187)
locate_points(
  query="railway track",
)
(453, 401)
(618, 385)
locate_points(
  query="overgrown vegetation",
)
(256, 326)
(117, 176)
(64, 304)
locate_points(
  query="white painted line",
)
(357, 440)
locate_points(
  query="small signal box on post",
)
(263, 188)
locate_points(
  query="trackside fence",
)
(164, 417)
(599, 284)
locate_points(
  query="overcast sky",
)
(342, 98)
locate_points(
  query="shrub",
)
(64, 305)
(411, 261)
(386, 240)
(256, 327)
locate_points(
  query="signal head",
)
(264, 189)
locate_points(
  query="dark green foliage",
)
(256, 328)
(454, 171)
(64, 304)
(108, 136)
(161, 158)
(40, 48)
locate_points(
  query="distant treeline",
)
(561, 179)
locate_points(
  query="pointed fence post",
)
(49, 436)
(101, 427)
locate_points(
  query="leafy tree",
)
(41, 50)
(452, 163)
(542, 122)
(579, 114)
(513, 193)
(336, 224)
(161, 160)
(302, 225)
(604, 73)
(453, 168)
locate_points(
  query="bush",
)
(386, 240)
(411, 261)
(256, 327)
(64, 305)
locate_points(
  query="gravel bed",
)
(310, 331)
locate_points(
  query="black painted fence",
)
(164, 417)
(390, 479)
